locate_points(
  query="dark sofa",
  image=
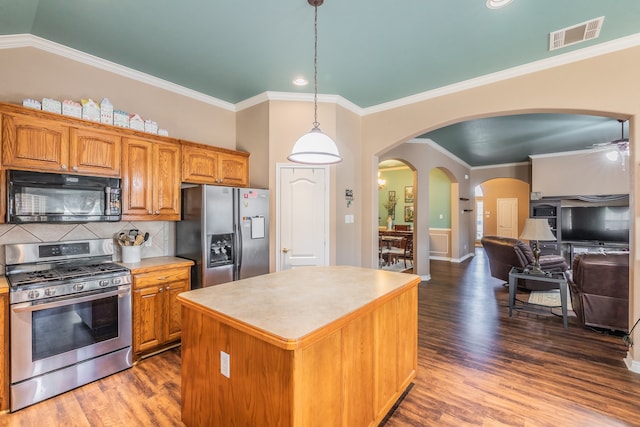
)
(505, 253)
(599, 284)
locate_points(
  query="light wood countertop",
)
(291, 307)
(156, 263)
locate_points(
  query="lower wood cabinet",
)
(156, 313)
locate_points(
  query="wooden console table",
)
(314, 346)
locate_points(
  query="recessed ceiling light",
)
(300, 81)
(497, 4)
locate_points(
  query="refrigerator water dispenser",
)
(220, 250)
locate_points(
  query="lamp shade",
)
(315, 148)
(537, 229)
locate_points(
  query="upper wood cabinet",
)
(150, 180)
(152, 167)
(203, 164)
(31, 142)
(94, 153)
(34, 144)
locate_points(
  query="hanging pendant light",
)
(315, 147)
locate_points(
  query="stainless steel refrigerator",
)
(225, 231)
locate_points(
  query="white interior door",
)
(507, 218)
(302, 227)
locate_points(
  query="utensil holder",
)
(131, 254)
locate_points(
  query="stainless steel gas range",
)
(70, 317)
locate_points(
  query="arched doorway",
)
(497, 189)
(396, 214)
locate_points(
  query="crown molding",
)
(298, 97)
(29, 40)
(431, 143)
(536, 66)
(500, 165)
(566, 153)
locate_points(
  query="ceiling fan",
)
(620, 142)
(618, 148)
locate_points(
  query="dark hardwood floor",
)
(477, 367)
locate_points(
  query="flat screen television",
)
(595, 223)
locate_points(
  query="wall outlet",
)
(225, 368)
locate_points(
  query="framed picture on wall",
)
(392, 195)
(408, 194)
(408, 213)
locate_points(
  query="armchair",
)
(599, 286)
(505, 253)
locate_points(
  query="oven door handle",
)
(30, 306)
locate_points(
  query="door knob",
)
(285, 250)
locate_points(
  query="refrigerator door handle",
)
(240, 251)
(237, 233)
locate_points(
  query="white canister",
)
(131, 254)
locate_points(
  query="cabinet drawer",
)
(159, 278)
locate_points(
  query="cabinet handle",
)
(75, 168)
(158, 212)
(285, 250)
(150, 212)
(168, 287)
(63, 167)
(160, 290)
(163, 278)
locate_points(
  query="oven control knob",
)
(103, 283)
(78, 286)
(117, 280)
(33, 294)
(50, 292)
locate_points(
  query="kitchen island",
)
(311, 346)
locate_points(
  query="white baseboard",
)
(456, 260)
(632, 365)
(465, 257)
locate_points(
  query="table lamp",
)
(536, 229)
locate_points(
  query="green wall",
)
(439, 199)
(397, 180)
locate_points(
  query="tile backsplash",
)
(161, 235)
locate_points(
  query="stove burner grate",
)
(59, 273)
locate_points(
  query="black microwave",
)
(52, 198)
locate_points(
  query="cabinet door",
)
(147, 318)
(199, 165)
(234, 170)
(34, 144)
(137, 179)
(94, 153)
(173, 315)
(166, 181)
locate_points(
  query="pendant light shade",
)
(315, 147)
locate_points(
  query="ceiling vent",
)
(576, 34)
